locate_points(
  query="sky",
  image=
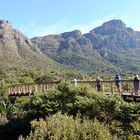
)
(46, 17)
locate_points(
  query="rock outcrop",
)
(5, 24)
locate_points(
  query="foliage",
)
(120, 118)
(62, 127)
(46, 78)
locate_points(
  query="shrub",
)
(64, 127)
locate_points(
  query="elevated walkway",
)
(108, 87)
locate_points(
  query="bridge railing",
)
(30, 88)
(108, 86)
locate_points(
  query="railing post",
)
(30, 90)
(26, 89)
(41, 88)
(46, 86)
(128, 87)
(23, 90)
(112, 89)
(15, 90)
(10, 91)
(18, 90)
(103, 86)
(36, 88)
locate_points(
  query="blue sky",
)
(43, 17)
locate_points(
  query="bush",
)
(64, 127)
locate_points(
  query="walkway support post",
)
(112, 89)
(103, 87)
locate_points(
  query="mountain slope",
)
(117, 44)
(18, 54)
(74, 50)
(110, 47)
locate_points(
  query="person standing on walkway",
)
(118, 82)
(98, 84)
(136, 84)
(75, 81)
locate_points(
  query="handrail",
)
(78, 81)
(29, 84)
(104, 81)
(31, 88)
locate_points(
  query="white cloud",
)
(137, 29)
(95, 23)
(59, 27)
(64, 25)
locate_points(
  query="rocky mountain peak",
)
(75, 34)
(11, 36)
(5, 24)
(114, 23)
(109, 27)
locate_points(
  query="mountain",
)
(18, 54)
(115, 34)
(118, 44)
(74, 50)
(112, 47)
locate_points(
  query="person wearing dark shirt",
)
(136, 84)
(98, 84)
(118, 82)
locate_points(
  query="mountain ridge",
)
(110, 48)
(95, 50)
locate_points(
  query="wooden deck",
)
(130, 97)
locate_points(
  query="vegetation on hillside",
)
(111, 47)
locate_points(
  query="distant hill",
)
(18, 54)
(112, 47)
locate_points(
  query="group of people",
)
(117, 80)
(118, 84)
